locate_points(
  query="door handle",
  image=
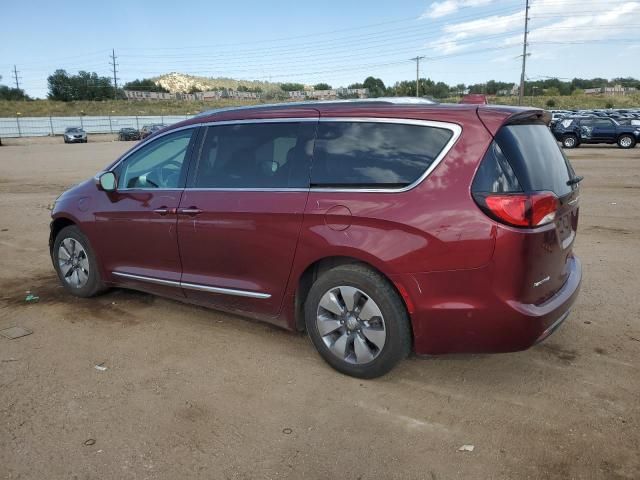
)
(191, 211)
(164, 211)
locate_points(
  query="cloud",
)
(447, 7)
(550, 21)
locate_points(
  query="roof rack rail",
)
(391, 100)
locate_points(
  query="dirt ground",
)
(192, 393)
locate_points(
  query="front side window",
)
(372, 154)
(256, 155)
(159, 164)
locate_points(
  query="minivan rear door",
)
(240, 216)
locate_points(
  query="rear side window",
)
(537, 161)
(371, 154)
(259, 155)
(495, 174)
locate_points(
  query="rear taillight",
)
(520, 209)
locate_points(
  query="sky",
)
(337, 42)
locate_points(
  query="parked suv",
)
(573, 131)
(74, 135)
(378, 227)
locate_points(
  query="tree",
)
(322, 86)
(8, 93)
(376, 87)
(83, 86)
(551, 103)
(146, 85)
(552, 91)
(291, 87)
(194, 89)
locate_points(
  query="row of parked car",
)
(129, 133)
(78, 135)
(573, 128)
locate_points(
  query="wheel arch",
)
(319, 266)
(56, 227)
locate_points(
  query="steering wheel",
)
(164, 177)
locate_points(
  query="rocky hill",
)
(182, 83)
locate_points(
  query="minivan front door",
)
(240, 216)
(137, 238)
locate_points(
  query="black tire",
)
(94, 284)
(626, 141)
(570, 141)
(65, 141)
(397, 344)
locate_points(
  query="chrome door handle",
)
(192, 211)
(164, 210)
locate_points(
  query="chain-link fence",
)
(44, 126)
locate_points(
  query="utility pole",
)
(524, 51)
(16, 77)
(417, 60)
(115, 78)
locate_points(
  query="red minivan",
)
(379, 227)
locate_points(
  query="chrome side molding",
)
(193, 286)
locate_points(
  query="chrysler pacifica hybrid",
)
(378, 227)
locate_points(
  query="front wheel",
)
(569, 141)
(357, 321)
(75, 263)
(626, 141)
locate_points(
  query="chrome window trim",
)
(193, 286)
(248, 189)
(454, 128)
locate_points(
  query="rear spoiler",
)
(494, 117)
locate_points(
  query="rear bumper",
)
(460, 312)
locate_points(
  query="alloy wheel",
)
(625, 142)
(351, 325)
(73, 262)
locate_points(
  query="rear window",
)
(371, 154)
(537, 161)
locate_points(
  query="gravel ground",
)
(193, 393)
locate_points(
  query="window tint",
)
(604, 122)
(259, 155)
(536, 159)
(368, 154)
(158, 164)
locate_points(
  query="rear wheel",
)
(569, 141)
(357, 321)
(626, 141)
(76, 263)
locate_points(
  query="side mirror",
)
(108, 182)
